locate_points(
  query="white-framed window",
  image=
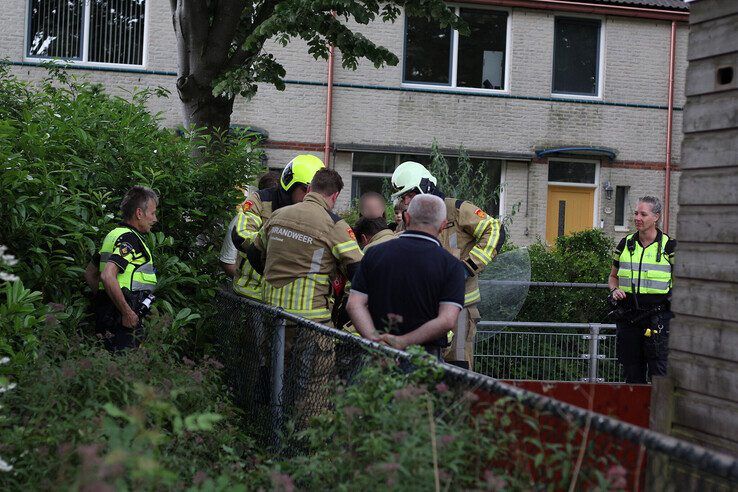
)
(439, 57)
(622, 205)
(372, 169)
(94, 32)
(578, 55)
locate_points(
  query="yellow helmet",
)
(301, 170)
(411, 176)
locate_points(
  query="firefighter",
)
(470, 235)
(370, 232)
(298, 250)
(640, 283)
(256, 210)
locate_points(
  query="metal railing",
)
(550, 352)
(282, 368)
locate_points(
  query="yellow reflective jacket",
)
(252, 214)
(646, 270)
(305, 244)
(474, 237)
(125, 247)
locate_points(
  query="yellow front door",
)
(569, 209)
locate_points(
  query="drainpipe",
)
(329, 110)
(670, 117)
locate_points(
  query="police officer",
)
(471, 235)
(122, 273)
(299, 248)
(640, 282)
(256, 210)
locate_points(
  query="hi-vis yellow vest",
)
(139, 274)
(644, 271)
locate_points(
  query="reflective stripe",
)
(142, 286)
(146, 268)
(316, 261)
(345, 247)
(480, 255)
(658, 267)
(654, 284)
(472, 297)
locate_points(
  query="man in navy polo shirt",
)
(410, 291)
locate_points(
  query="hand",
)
(394, 341)
(618, 295)
(130, 320)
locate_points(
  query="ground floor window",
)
(372, 171)
(621, 205)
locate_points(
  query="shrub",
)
(70, 152)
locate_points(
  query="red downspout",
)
(329, 110)
(670, 117)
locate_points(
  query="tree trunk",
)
(200, 108)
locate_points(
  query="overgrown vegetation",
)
(160, 418)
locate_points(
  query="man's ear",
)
(140, 213)
(309, 189)
(443, 226)
(364, 239)
(406, 218)
(334, 196)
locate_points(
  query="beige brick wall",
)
(382, 113)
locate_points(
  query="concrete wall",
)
(698, 401)
(373, 107)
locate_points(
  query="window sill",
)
(577, 96)
(447, 88)
(85, 64)
(621, 228)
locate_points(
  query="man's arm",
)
(248, 222)
(428, 331)
(358, 309)
(229, 268)
(109, 279)
(92, 276)
(488, 234)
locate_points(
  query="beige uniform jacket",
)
(305, 244)
(472, 236)
(252, 214)
(380, 237)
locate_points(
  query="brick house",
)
(567, 103)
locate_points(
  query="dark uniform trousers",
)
(642, 355)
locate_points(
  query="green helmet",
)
(412, 176)
(300, 170)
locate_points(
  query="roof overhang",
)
(577, 151)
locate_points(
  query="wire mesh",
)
(548, 353)
(284, 371)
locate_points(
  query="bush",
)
(70, 152)
(400, 430)
(145, 419)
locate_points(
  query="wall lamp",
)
(608, 190)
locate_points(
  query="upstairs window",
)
(439, 56)
(576, 62)
(94, 31)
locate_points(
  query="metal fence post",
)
(278, 371)
(594, 346)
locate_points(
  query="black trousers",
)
(641, 356)
(116, 337)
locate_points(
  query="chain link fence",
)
(283, 371)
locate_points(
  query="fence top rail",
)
(580, 285)
(545, 324)
(714, 462)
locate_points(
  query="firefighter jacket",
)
(645, 270)
(252, 214)
(381, 237)
(306, 244)
(474, 237)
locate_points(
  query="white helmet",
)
(411, 176)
